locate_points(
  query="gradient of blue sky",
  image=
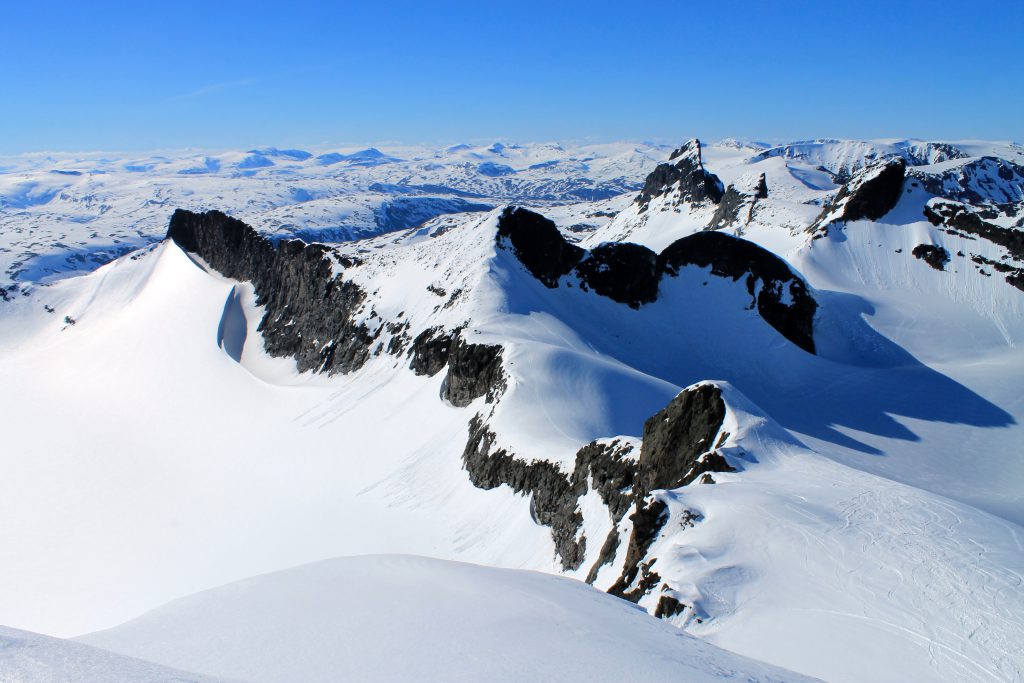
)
(133, 75)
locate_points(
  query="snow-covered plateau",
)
(383, 414)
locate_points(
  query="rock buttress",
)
(309, 312)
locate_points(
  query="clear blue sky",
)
(141, 75)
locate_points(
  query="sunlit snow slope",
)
(399, 618)
(833, 482)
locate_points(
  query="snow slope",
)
(157, 466)
(27, 657)
(395, 618)
(152, 444)
(800, 559)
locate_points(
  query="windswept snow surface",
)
(27, 657)
(403, 618)
(152, 449)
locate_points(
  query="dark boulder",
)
(934, 256)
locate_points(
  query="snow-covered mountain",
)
(68, 212)
(768, 394)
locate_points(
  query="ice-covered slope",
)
(396, 618)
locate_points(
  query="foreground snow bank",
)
(27, 657)
(399, 617)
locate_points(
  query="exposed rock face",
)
(675, 437)
(630, 273)
(987, 180)
(762, 188)
(538, 244)
(648, 520)
(736, 207)
(430, 351)
(612, 469)
(553, 501)
(870, 194)
(960, 219)
(474, 370)
(686, 176)
(679, 446)
(730, 211)
(623, 272)
(784, 300)
(968, 220)
(309, 312)
(934, 256)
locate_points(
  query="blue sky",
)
(133, 76)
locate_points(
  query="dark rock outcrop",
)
(676, 436)
(623, 272)
(783, 300)
(648, 520)
(934, 256)
(630, 273)
(982, 181)
(553, 501)
(474, 370)
(960, 219)
(668, 607)
(611, 468)
(538, 244)
(762, 188)
(678, 447)
(309, 311)
(875, 196)
(687, 177)
(730, 210)
(870, 194)
(430, 351)
(968, 220)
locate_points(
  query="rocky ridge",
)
(868, 195)
(686, 179)
(631, 273)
